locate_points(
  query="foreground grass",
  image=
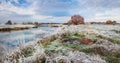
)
(65, 47)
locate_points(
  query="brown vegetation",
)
(85, 40)
(13, 29)
(76, 20)
(110, 22)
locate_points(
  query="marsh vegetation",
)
(72, 44)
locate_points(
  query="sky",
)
(58, 11)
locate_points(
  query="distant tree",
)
(36, 23)
(109, 22)
(114, 22)
(76, 20)
(9, 22)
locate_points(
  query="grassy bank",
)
(72, 44)
(9, 28)
(13, 29)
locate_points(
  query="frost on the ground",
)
(72, 57)
(108, 46)
(79, 57)
(63, 46)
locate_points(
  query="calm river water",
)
(16, 38)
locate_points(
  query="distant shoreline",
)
(8, 28)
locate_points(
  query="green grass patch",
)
(78, 35)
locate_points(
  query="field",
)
(72, 44)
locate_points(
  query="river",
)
(17, 38)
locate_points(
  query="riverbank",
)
(67, 45)
(8, 28)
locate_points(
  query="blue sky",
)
(58, 10)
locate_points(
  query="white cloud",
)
(15, 13)
(51, 18)
(62, 19)
(11, 8)
(45, 10)
(41, 17)
(103, 18)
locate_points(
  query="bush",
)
(76, 20)
(111, 22)
(9, 22)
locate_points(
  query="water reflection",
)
(16, 38)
